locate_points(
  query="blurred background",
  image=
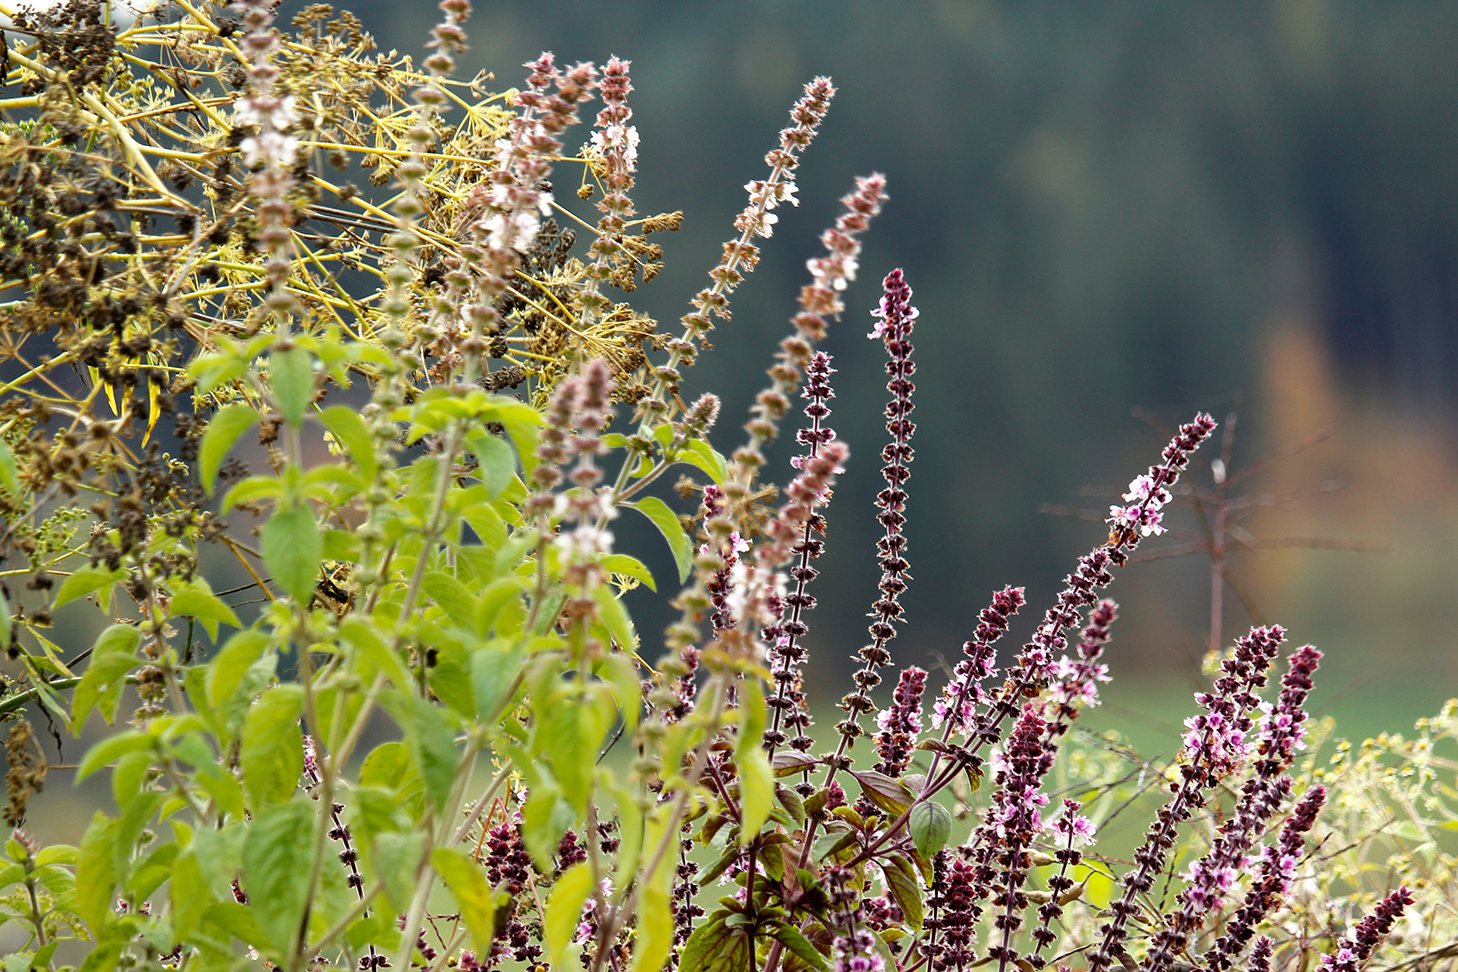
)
(1102, 209)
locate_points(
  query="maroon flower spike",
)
(1275, 873)
(1260, 956)
(955, 709)
(1214, 747)
(1211, 878)
(896, 316)
(1353, 952)
(797, 530)
(901, 724)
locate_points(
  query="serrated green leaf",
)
(886, 793)
(473, 895)
(293, 549)
(86, 580)
(353, 437)
(668, 524)
(223, 432)
(111, 749)
(113, 655)
(291, 373)
(280, 838)
(195, 598)
(498, 461)
(96, 871)
(272, 754)
(433, 744)
(564, 910)
(716, 947)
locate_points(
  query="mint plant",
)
(407, 416)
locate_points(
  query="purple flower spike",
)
(1215, 747)
(1275, 872)
(1353, 952)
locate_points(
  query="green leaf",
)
(86, 580)
(360, 632)
(905, 887)
(544, 820)
(564, 910)
(498, 461)
(111, 749)
(396, 860)
(9, 474)
(390, 766)
(293, 549)
(493, 670)
(473, 895)
(291, 373)
(885, 792)
(452, 597)
(226, 671)
(96, 871)
(756, 792)
(279, 843)
(272, 754)
(223, 432)
(716, 947)
(753, 715)
(191, 894)
(799, 946)
(930, 827)
(433, 744)
(700, 453)
(655, 930)
(619, 671)
(113, 655)
(354, 439)
(668, 524)
(629, 567)
(198, 600)
(615, 618)
(571, 732)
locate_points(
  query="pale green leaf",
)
(473, 895)
(564, 910)
(280, 840)
(86, 580)
(293, 549)
(498, 461)
(668, 524)
(291, 373)
(353, 437)
(196, 598)
(112, 657)
(223, 432)
(756, 792)
(96, 871)
(655, 930)
(272, 755)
